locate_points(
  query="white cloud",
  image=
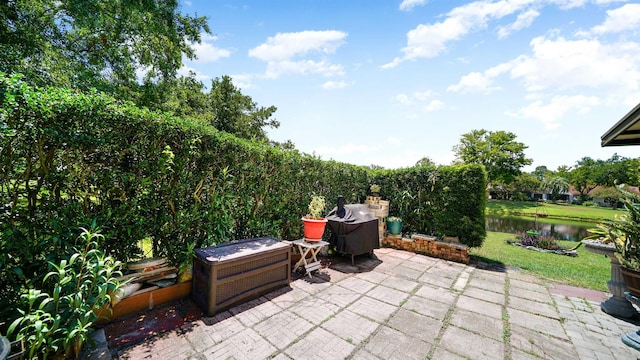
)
(417, 96)
(207, 52)
(523, 21)
(434, 105)
(561, 64)
(423, 95)
(474, 82)
(285, 52)
(604, 2)
(477, 82)
(568, 4)
(335, 85)
(403, 99)
(278, 68)
(550, 113)
(429, 40)
(287, 45)
(621, 19)
(408, 5)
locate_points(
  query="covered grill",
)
(354, 230)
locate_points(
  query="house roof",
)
(625, 132)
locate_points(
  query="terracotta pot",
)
(632, 280)
(314, 229)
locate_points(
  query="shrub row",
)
(70, 159)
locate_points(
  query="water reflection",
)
(573, 231)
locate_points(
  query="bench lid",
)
(240, 248)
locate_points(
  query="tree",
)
(426, 161)
(584, 177)
(524, 185)
(224, 107)
(238, 114)
(556, 185)
(96, 43)
(498, 151)
(540, 172)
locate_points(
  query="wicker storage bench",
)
(237, 271)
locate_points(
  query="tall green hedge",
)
(443, 201)
(70, 159)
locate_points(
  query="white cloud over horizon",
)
(284, 53)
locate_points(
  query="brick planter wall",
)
(428, 245)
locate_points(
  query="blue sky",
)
(389, 82)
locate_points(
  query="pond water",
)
(572, 231)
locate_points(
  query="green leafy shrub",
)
(60, 321)
(443, 201)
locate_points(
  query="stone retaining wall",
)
(428, 245)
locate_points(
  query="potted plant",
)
(314, 221)
(375, 190)
(394, 224)
(624, 233)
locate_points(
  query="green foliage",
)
(60, 320)
(96, 43)
(224, 107)
(589, 173)
(498, 151)
(449, 200)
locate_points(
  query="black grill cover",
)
(354, 231)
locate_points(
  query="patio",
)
(399, 306)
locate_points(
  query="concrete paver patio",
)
(401, 306)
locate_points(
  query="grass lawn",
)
(558, 211)
(587, 270)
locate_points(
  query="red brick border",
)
(429, 245)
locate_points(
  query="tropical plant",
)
(375, 189)
(556, 185)
(394, 218)
(60, 321)
(623, 232)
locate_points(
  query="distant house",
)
(545, 196)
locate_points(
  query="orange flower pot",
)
(314, 229)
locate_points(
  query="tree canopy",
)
(99, 44)
(498, 151)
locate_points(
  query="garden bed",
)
(145, 301)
